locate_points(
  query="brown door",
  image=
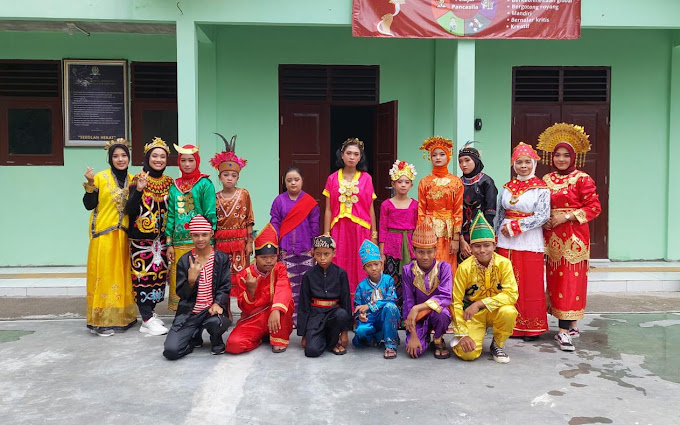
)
(595, 119)
(304, 143)
(384, 151)
(529, 121)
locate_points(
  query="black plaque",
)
(96, 102)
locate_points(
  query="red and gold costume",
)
(273, 293)
(440, 200)
(567, 245)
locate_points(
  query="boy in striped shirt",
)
(203, 285)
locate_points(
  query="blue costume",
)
(381, 298)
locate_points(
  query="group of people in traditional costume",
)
(461, 258)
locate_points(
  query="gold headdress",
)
(350, 140)
(118, 141)
(435, 142)
(157, 142)
(402, 168)
(572, 134)
(185, 151)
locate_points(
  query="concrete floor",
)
(623, 372)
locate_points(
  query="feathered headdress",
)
(469, 150)
(227, 159)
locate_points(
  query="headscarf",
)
(147, 166)
(438, 142)
(120, 175)
(572, 158)
(476, 158)
(533, 170)
(188, 180)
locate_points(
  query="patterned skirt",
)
(149, 261)
(391, 268)
(297, 265)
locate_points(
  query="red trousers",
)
(249, 332)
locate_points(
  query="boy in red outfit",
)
(265, 299)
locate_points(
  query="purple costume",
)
(432, 287)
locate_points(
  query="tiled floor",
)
(605, 276)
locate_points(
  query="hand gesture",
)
(467, 344)
(274, 322)
(471, 310)
(170, 252)
(361, 309)
(414, 347)
(362, 317)
(194, 269)
(89, 175)
(142, 180)
(215, 309)
(251, 281)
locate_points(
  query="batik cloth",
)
(383, 314)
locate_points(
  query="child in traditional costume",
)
(523, 209)
(148, 211)
(426, 286)
(235, 218)
(375, 305)
(203, 284)
(574, 203)
(110, 298)
(440, 199)
(484, 296)
(479, 194)
(398, 219)
(325, 309)
(349, 214)
(265, 299)
(192, 194)
(295, 217)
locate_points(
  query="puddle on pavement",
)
(10, 336)
(656, 340)
(556, 393)
(584, 420)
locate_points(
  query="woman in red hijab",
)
(192, 194)
(573, 203)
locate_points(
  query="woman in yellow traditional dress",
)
(110, 298)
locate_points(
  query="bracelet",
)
(374, 235)
(89, 188)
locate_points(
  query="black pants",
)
(146, 310)
(564, 324)
(325, 336)
(178, 342)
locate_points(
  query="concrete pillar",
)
(187, 82)
(673, 234)
(464, 92)
(444, 88)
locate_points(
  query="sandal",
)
(280, 349)
(390, 353)
(339, 350)
(441, 348)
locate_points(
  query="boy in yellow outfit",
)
(484, 295)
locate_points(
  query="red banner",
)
(545, 19)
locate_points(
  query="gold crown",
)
(118, 141)
(355, 140)
(562, 132)
(157, 142)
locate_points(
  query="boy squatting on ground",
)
(203, 284)
(324, 308)
(484, 295)
(375, 304)
(265, 299)
(426, 288)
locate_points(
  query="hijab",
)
(572, 158)
(476, 158)
(120, 175)
(188, 180)
(530, 176)
(441, 170)
(147, 166)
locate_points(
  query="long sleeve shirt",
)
(272, 290)
(331, 284)
(432, 287)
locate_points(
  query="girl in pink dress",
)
(398, 219)
(349, 216)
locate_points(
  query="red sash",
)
(297, 214)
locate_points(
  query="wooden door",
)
(528, 122)
(594, 118)
(384, 151)
(304, 143)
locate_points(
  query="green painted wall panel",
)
(640, 62)
(49, 223)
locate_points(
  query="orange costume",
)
(273, 293)
(440, 199)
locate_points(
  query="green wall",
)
(639, 137)
(44, 221)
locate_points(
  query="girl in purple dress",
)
(295, 216)
(398, 219)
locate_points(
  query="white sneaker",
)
(154, 327)
(157, 319)
(564, 341)
(574, 332)
(102, 332)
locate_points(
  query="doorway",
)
(320, 107)
(543, 96)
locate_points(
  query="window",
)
(154, 107)
(31, 122)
